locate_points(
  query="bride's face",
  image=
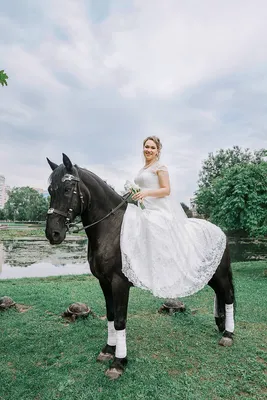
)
(150, 151)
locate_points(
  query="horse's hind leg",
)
(224, 309)
(219, 311)
(224, 304)
(227, 338)
(120, 290)
(108, 351)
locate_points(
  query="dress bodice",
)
(147, 178)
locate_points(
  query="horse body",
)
(76, 191)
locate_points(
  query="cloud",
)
(96, 79)
(168, 47)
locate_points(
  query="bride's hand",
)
(140, 195)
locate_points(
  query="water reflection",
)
(247, 249)
(29, 257)
(43, 269)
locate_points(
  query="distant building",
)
(2, 191)
(41, 191)
(7, 191)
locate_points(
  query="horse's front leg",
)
(120, 290)
(108, 351)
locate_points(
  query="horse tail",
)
(230, 274)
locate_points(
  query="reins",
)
(102, 219)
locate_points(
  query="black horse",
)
(76, 191)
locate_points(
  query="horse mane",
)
(98, 180)
(60, 171)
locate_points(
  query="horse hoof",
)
(113, 373)
(226, 342)
(102, 357)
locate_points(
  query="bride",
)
(162, 250)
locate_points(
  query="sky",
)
(93, 78)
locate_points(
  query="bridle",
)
(77, 190)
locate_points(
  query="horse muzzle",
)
(56, 236)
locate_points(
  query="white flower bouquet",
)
(133, 188)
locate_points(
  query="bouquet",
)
(133, 188)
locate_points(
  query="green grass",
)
(13, 233)
(21, 233)
(45, 358)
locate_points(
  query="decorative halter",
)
(77, 190)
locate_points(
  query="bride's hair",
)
(157, 142)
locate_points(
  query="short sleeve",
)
(161, 167)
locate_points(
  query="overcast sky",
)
(93, 78)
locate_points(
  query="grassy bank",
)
(13, 233)
(31, 232)
(45, 358)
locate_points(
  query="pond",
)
(35, 257)
(247, 249)
(32, 257)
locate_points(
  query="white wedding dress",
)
(162, 250)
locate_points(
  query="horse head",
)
(67, 198)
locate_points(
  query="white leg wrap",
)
(111, 334)
(229, 318)
(121, 350)
(215, 308)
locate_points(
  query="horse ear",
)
(52, 165)
(67, 162)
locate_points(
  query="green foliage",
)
(216, 165)
(25, 204)
(204, 200)
(2, 214)
(232, 190)
(238, 199)
(3, 78)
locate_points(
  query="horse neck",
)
(102, 197)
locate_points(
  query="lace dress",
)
(162, 250)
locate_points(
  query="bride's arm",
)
(164, 183)
(164, 190)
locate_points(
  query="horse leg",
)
(120, 290)
(224, 310)
(108, 351)
(222, 284)
(227, 338)
(219, 311)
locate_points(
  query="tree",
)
(238, 199)
(204, 201)
(26, 204)
(3, 78)
(215, 165)
(2, 214)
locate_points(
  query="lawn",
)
(19, 231)
(170, 357)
